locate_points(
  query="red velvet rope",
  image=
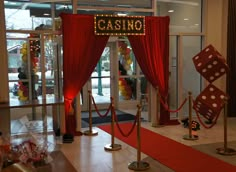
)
(118, 126)
(101, 115)
(202, 123)
(167, 108)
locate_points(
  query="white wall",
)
(216, 30)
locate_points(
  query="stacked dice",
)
(211, 65)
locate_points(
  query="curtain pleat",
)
(152, 53)
(81, 51)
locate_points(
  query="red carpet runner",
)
(172, 154)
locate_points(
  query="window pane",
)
(191, 78)
(185, 16)
(27, 16)
(18, 71)
(127, 71)
(100, 79)
(118, 3)
(173, 78)
(127, 62)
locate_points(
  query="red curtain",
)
(152, 53)
(81, 51)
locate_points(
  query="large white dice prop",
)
(210, 64)
(210, 102)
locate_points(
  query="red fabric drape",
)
(152, 53)
(81, 51)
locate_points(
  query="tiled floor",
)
(87, 153)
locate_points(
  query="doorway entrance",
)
(116, 75)
(102, 82)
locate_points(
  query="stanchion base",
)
(138, 166)
(188, 137)
(227, 151)
(113, 147)
(90, 133)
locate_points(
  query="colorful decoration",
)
(125, 84)
(125, 89)
(34, 52)
(195, 126)
(30, 155)
(23, 87)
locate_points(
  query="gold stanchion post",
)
(138, 165)
(225, 150)
(190, 136)
(90, 132)
(112, 146)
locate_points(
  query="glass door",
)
(102, 82)
(116, 75)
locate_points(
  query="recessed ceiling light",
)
(180, 2)
(170, 11)
(196, 24)
(121, 14)
(186, 19)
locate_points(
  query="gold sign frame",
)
(119, 25)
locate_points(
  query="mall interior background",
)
(193, 25)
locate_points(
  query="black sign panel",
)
(119, 25)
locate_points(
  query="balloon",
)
(23, 98)
(24, 45)
(23, 51)
(127, 50)
(24, 58)
(129, 61)
(20, 93)
(25, 93)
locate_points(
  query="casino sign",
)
(119, 25)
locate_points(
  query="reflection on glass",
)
(13, 90)
(127, 68)
(184, 16)
(127, 88)
(143, 85)
(126, 59)
(173, 100)
(101, 93)
(49, 68)
(27, 16)
(18, 68)
(191, 78)
(144, 93)
(100, 78)
(121, 3)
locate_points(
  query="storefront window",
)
(118, 3)
(27, 16)
(191, 83)
(185, 16)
